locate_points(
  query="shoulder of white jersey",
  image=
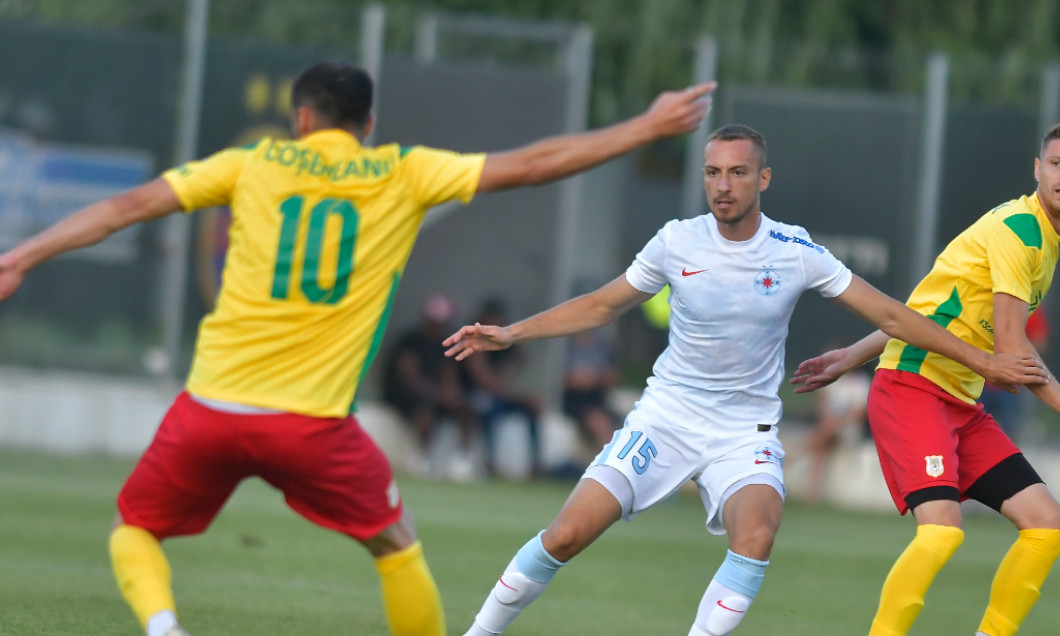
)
(703, 222)
(794, 235)
(673, 226)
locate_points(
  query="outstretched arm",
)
(672, 113)
(86, 226)
(899, 321)
(1010, 336)
(578, 314)
(826, 368)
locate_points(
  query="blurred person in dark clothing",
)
(590, 376)
(489, 381)
(424, 386)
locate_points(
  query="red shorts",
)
(329, 470)
(925, 437)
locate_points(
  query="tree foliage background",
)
(998, 46)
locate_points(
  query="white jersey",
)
(730, 303)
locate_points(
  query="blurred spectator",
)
(488, 379)
(424, 385)
(589, 377)
(841, 418)
(1013, 410)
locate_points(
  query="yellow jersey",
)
(321, 230)
(1013, 250)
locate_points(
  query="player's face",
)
(733, 178)
(1047, 173)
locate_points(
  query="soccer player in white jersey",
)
(709, 413)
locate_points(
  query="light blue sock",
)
(742, 574)
(535, 562)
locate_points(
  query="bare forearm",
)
(78, 230)
(672, 113)
(95, 222)
(899, 321)
(869, 347)
(553, 159)
(1049, 393)
(573, 316)
(558, 157)
(911, 327)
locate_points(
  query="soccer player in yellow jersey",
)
(322, 228)
(937, 446)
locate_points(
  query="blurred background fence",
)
(884, 154)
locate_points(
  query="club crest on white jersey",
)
(767, 282)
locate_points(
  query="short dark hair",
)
(340, 94)
(735, 132)
(1051, 134)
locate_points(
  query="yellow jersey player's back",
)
(321, 230)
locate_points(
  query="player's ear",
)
(304, 121)
(369, 126)
(763, 179)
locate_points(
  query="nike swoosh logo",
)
(685, 272)
(506, 585)
(759, 461)
(722, 606)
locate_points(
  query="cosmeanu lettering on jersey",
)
(773, 234)
(307, 161)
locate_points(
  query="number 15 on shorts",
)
(645, 451)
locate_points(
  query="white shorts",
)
(658, 456)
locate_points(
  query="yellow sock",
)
(413, 605)
(142, 571)
(1018, 579)
(903, 592)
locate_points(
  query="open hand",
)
(680, 112)
(817, 373)
(476, 337)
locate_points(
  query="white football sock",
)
(509, 596)
(515, 589)
(728, 596)
(160, 623)
(720, 611)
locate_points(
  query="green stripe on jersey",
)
(913, 357)
(377, 337)
(1026, 228)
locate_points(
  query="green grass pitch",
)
(261, 569)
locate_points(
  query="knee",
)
(563, 541)
(1048, 518)
(755, 542)
(394, 538)
(1033, 507)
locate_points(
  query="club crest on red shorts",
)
(934, 465)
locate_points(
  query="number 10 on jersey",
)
(313, 248)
